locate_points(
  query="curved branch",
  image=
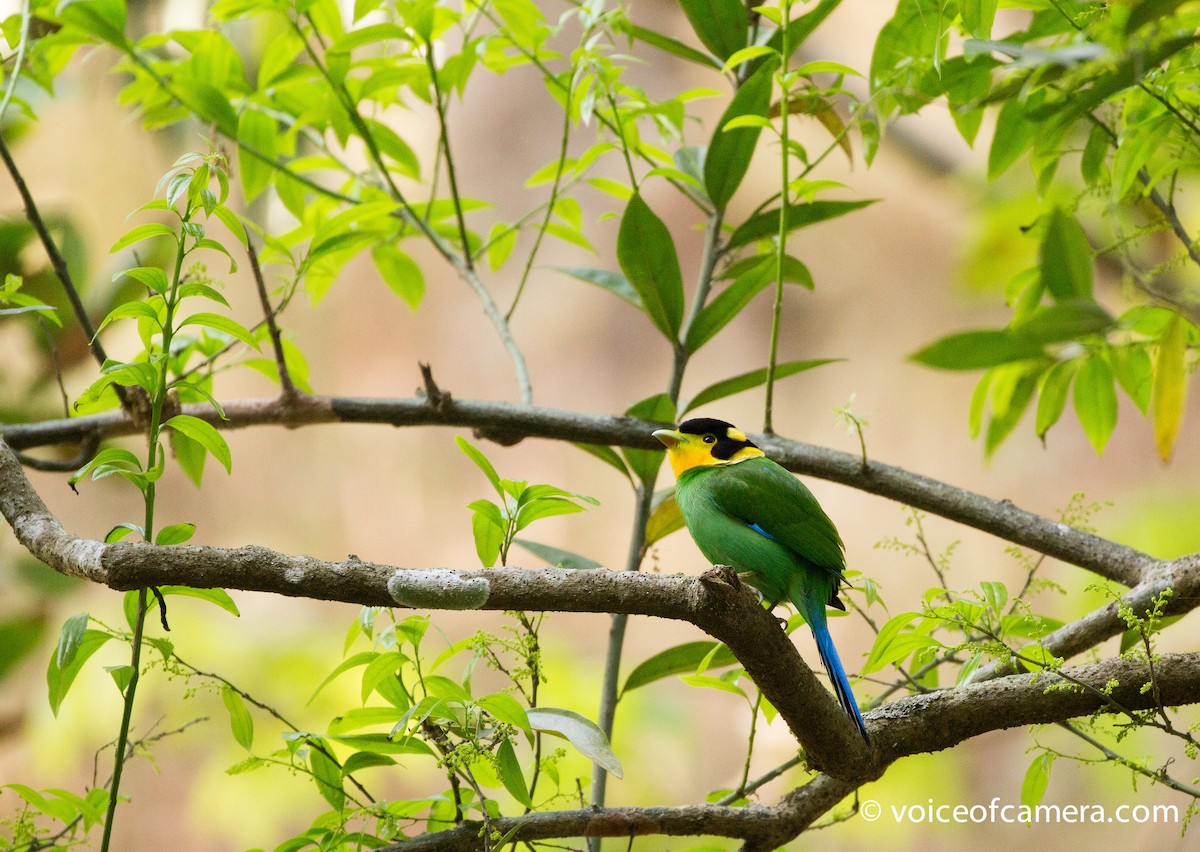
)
(715, 602)
(917, 724)
(507, 424)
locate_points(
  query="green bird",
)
(745, 511)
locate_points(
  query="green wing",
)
(760, 493)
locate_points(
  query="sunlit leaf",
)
(240, 719)
(1096, 401)
(1170, 386)
(203, 433)
(677, 660)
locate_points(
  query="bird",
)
(746, 511)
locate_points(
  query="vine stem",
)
(645, 497)
(781, 239)
(126, 716)
(616, 639)
(149, 493)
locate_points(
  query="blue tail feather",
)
(837, 676)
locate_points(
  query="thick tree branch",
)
(508, 423)
(716, 603)
(916, 724)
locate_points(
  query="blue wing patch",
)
(761, 531)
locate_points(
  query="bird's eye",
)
(710, 439)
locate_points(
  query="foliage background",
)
(920, 263)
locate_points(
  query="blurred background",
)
(930, 257)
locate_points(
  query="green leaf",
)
(613, 282)
(174, 534)
(1095, 154)
(132, 310)
(766, 224)
(360, 659)
(1131, 365)
(204, 291)
(1037, 777)
(703, 681)
(364, 760)
(59, 678)
(216, 597)
(209, 104)
(225, 325)
(557, 556)
(489, 528)
(1011, 391)
(647, 257)
(665, 518)
(607, 455)
(730, 302)
(1052, 395)
(256, 131)
(69, 639)
(142, 232)
(121, 530)
(1014, 134)
(978, 15)
(190, 455)
(721, 25)
(1170, 386)
(666, 43)
(502, 238)
(328, 776)
(511, 776)
(881, 651)
(56, 808)
(752, 379)
(1068, 320)
(1065, 257)
(103, 461)
(204, 434)
(104, 19)
(481, 461)
(644, 464)
(36, 308)
(747, 55)
(580, 731)
(400, 272)
(544, 508)
(677, 660)
(1096, 401)
(240, 719)
(121, 676)
(381, 744)
(996, 595)
(505, 708)
(730, 150)
(151, 276)
(973, 350)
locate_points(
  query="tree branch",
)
(509, 423)
(715, 602)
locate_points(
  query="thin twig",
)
(286, 387)
(57, 261)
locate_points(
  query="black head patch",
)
(726, 439)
